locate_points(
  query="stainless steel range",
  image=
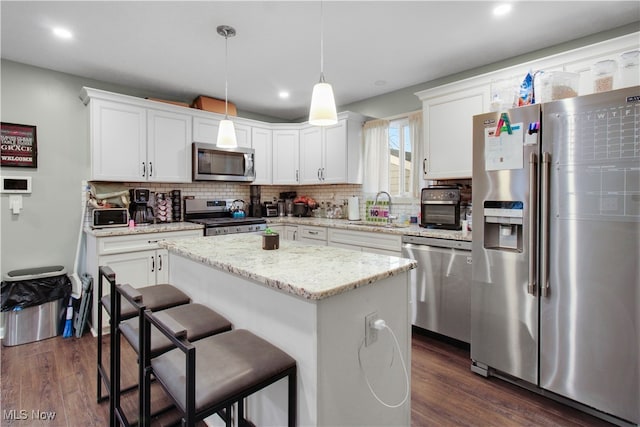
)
(217, 217)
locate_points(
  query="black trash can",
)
(34, 304)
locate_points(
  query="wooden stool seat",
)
(198, 320)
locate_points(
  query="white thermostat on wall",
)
(16, 184)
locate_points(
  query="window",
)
(400, 164)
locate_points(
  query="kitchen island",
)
(311, 301)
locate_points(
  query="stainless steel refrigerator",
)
(555, 297)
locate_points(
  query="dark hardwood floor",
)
(59, 376)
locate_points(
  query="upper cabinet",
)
(205, 129)
(132, 142)
(448, 110)
(448, 130)
(286, 166)
(137, 140)
(332, 154)
(262, 143)
(118, 134)
(168, 146)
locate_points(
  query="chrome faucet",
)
(375, 203)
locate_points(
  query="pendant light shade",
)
(323, 105)
(226, 134)
(226, 129)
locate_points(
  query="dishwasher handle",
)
(438, 243)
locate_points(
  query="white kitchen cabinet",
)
(291, 232)
(448, 130)
(312, 235)
(143, 267)
(332, 154)
(118, 134)
(205, 129)
(311, 154)
(286, 156)
(135, 258)
(168, 146)
(262, 143)
(448, 109)
(365, 241)
(135, 140)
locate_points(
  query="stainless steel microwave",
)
(212, 163)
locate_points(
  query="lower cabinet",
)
(291, 232)
(135, 258)
(378, 243)
(312, 235)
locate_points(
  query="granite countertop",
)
(307, 271)
(411, 230)
(142, 229)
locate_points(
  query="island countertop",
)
(307, 271)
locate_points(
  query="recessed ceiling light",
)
(63, 33)
(502, 9)
(283, 94)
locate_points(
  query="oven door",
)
(441, 215)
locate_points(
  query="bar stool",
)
(157, 297)
(199, 321)
(229, 367)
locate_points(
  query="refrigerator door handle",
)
(533, 218)
(544, 224)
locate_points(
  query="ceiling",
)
(370, 47)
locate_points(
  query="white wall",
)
(46, 230)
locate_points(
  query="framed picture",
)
(19, 146)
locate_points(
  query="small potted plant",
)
(270, 239)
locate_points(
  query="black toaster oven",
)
(440, 207)
(110, 217)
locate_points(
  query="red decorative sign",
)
(19, 148)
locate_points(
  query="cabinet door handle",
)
(160, 262)
(424, 165)
(153, 264)
(150, 169)
(314, 233)
(144, 169)
(322, 174)
(297, 175)
(319, 177)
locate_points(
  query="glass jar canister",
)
(629, 68)
(603, 75)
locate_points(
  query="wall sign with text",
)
(19, 147)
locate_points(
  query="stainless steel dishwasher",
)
(440, 286)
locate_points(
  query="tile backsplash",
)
(330, 194)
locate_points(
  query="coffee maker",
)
(139, 210)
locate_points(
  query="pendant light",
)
(226, 130)
(323, 104)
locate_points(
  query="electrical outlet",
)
(370, 333)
